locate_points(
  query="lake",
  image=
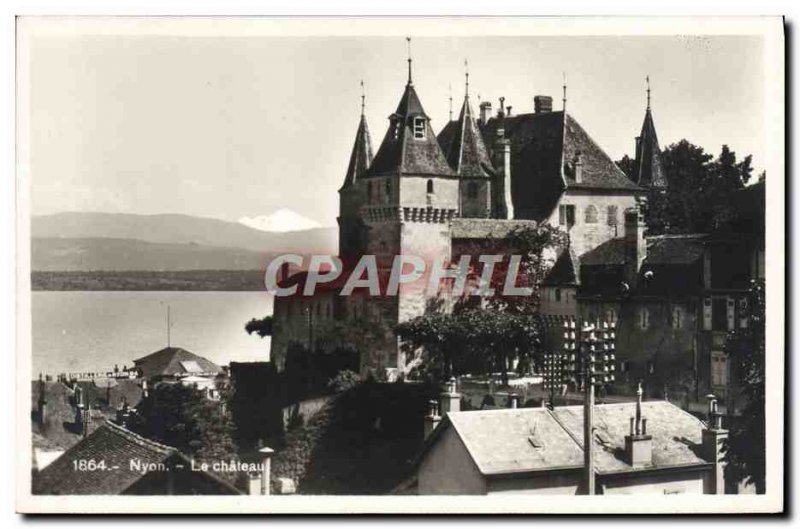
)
(92, 331)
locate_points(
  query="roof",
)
(463, 145)
(467, 228)
(538, 439)
(361, 156)
(649, 171)
(543, 149)
(566, 270)
(404, 154)
(117, 447)
(611, 252)
(172, 361)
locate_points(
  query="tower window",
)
(590, 215)
(566, 215)
(558, 294)
(388, 188)
(396, 128)
(419, 128)
(430, 186)
(612, 215)
(472, 190)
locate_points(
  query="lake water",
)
(92, 331)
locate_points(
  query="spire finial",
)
(363, 97)
(564, 98)
(408, 44)
(647, 79)
(450, 99)
(466, 77)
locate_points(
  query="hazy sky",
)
(227, 127)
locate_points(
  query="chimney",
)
(449, 399)
(503, 207)
(486, 111)
(542, 104)
(433, 418)
(508, 111)
(513, 401)
(259, 483)
(713, 438)
(635, 244)
(639, 445)
(578, 162)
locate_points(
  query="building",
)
(131, 464)
(643, 448)
(440, 197)
(675, 298)
(175, 362)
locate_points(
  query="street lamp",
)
(592, 357)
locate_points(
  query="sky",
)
(242, 126)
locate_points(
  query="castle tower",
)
(649, 171)
(351, 196)
(468, 156)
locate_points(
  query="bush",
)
(343, 381)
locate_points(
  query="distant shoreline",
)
(141, 280)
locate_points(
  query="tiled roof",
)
(611, 252)
(675, 249)
(535, 439)
(405, 154)
(649, 171)
(566, 270)
(168, 362)
(463, 145)
(543, 150)
(361, 156)
(116, 447)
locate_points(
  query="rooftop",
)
(172, 361)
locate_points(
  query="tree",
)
(745, 448)
(182, 417)
(262, 327)
(699, 188)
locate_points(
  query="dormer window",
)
(419, 128)
(396, 128)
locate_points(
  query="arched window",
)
(472, 190)
(430, 186)
(590, 215)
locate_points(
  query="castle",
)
(434, 195)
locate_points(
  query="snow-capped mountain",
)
(282, 220)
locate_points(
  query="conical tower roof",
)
(464, 147)
(404, 152)
(361, 156)
(649, 171)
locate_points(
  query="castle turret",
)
(351, 195)
(649, 171)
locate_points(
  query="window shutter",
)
(561, 216)
(707, 314)
(731, 314)
(743, 313)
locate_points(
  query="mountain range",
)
(78, 241)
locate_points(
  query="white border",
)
(772, 31)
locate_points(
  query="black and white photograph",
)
(400, 265)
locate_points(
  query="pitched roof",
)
(116, 447)
(402, 153)
(173, 361)
(463, 145)
(361, 156)
(537, 439)
(544, 146)
(649, 171)
(566, 270)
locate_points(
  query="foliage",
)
(343, 381)
(472, 340)
(697, 198)
(255, 403)
(262, 327)
(182, 417)
(746, 444)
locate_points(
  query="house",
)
(174, 363)
(129, 464)
(650, 447)
(442, 196)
